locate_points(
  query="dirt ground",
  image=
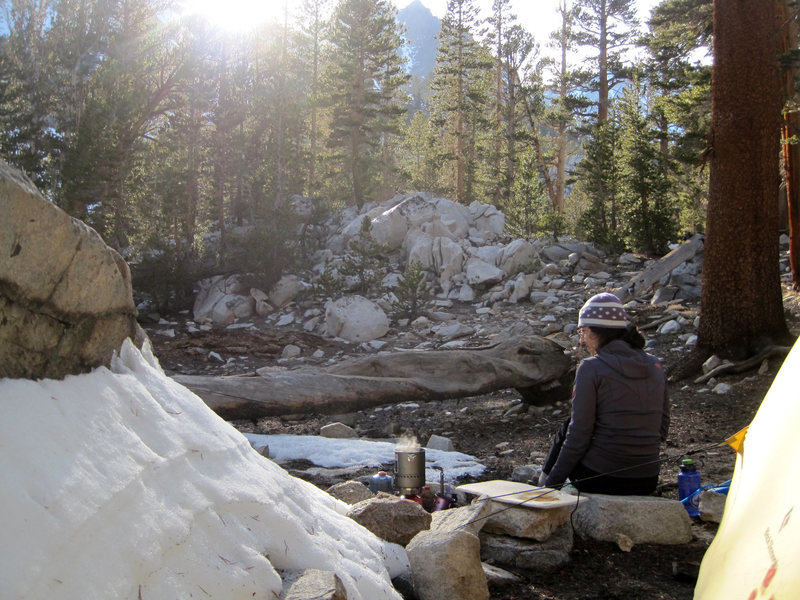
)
(503, 435)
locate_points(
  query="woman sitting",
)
(620, 409)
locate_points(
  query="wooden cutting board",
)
(514, 492)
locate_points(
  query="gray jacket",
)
(620, 415)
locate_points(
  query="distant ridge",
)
(422, 27)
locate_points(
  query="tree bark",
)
(602, 97)
(529, 364)
(791, 129)
(791, 169)
(741, 302)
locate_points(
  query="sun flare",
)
(237, 15)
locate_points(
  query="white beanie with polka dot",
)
(603, 310)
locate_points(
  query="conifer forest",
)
(156, 128)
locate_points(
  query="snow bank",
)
(339, 452)
(122, 484)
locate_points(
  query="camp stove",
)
(409, 480)
(409, 470)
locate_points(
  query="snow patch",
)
(121, 483)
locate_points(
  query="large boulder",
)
(519, 256)
(355, 319)
(66, 301)
(447, 564)
(644, 519)
(448, 259)
(393, 519)
(489, 222)
(525, 521)
(482, 274)
(284, 290)
(223, 299)
(451, 220)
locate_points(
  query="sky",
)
(539, 17)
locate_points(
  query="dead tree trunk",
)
(528, 364)
(643, 282)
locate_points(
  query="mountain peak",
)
(422, 27)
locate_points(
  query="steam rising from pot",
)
(408, 443)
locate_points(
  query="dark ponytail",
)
(631, 335)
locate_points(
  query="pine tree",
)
(742, 302)
(125, 100)
(564, 103)
(48, 55)
(599, 176)
(679, 30)
(459, 103)
(364, 78)
(312, 38)
(648, 219)
(513, 47)
(419, 155)
(607, 27)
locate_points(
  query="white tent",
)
(121, 483)
(756, 552)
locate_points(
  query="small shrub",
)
(167, 274)
(413, 292)
(366, 260)
(328, 284)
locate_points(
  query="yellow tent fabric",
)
(736, 441)
(756, 552)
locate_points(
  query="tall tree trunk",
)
(791, 169)
(280, 159)
(192, 196)
(355, 171)
(741, 302)
(791, 129)
(312, 167)
(511, 134)
(460, 128)
(498, 107)
(602, 100)
(541, 164)
(561, 149)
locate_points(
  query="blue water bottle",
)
(688, 484)
(381, 483)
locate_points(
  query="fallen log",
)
(644, 281)
(526, 364)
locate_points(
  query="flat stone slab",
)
(470, 518)
(644, 519)
(517, 553)
(522, 522)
